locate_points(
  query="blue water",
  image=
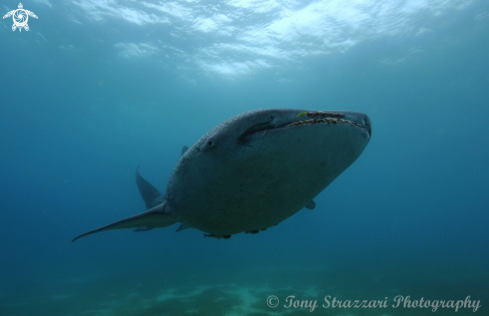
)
(96, 88)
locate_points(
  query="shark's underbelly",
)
(245, 193)
(249, 199)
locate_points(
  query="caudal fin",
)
(152, 218)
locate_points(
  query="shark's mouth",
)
(326, 117)
(304, 118)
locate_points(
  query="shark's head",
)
(268, 154)
(251, 128)
(335, 136)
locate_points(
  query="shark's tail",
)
(158, 216)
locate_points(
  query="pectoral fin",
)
(311, 205)
(182, 227)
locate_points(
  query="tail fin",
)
(155, 217)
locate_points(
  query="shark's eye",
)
(211, 143)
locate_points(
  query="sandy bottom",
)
(104, 298)
(292, 290)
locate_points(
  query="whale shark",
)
(252, 171)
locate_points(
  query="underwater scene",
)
(244, 158)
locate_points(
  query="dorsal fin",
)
(184, 149)
(149, 193)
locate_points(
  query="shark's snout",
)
(362, 119)
(368, 124)
(357, 120)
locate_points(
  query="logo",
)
(20, 17)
